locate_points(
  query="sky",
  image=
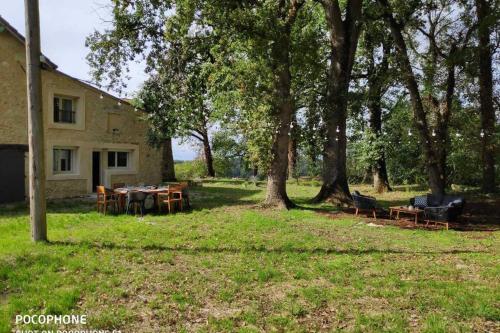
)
(64, 25)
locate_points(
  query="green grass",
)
(230, 266)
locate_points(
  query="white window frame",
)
(74, 108)
(73, 164)
(115, 152)
(78, 97)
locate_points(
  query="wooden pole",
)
(35, 124)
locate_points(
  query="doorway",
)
(96, 170)
(12, 173)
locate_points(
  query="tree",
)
(377, 77)
(185, 109)
(137, 30)
(177, 56)
(281, 63)
(261, 34)
(309, 66)
(486, 18)
(344, 29)
(153, 100)
(176, 107)
(38, 216)
(445, 42)
(231, 154)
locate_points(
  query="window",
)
(118, 159)
(63, 160)
(64, 110)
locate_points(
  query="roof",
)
(49, 65)
(92, 87)
(45, 60)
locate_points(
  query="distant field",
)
(230, 266)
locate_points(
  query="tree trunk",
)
(380, 179)
(335, 187)
(437, 181)
(168, 170)
(435, 172)
(35, 124)
(276, 177)
(255, 171)
(344, 36)
(209, 161)
(486, 97)
(379, 169)
(376, 77)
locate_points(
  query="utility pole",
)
(36, 141)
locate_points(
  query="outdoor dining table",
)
(123, 191)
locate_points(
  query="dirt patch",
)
(479, 215)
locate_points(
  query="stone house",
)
(91, 137)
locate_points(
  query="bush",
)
(190, 169)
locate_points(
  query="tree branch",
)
(197, 137)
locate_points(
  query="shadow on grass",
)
(258, 183)
(202, 198)
(249, 249)
(70, 205)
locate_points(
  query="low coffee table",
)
(402, 209)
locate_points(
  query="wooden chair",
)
(170, 198)
(121, 198)
(105, 198)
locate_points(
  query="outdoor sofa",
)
(448, 208)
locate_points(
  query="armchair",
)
(364, 202)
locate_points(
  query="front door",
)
(11, 175)
(96, 170)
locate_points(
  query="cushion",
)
(421, 201)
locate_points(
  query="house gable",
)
(4, 25)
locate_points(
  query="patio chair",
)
(136, 199)
(447, 209)
(170, 198)
(364, 202)
(105, 198)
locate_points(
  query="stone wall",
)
(65, 189)
(104, 123)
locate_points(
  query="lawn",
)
(231, 266)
